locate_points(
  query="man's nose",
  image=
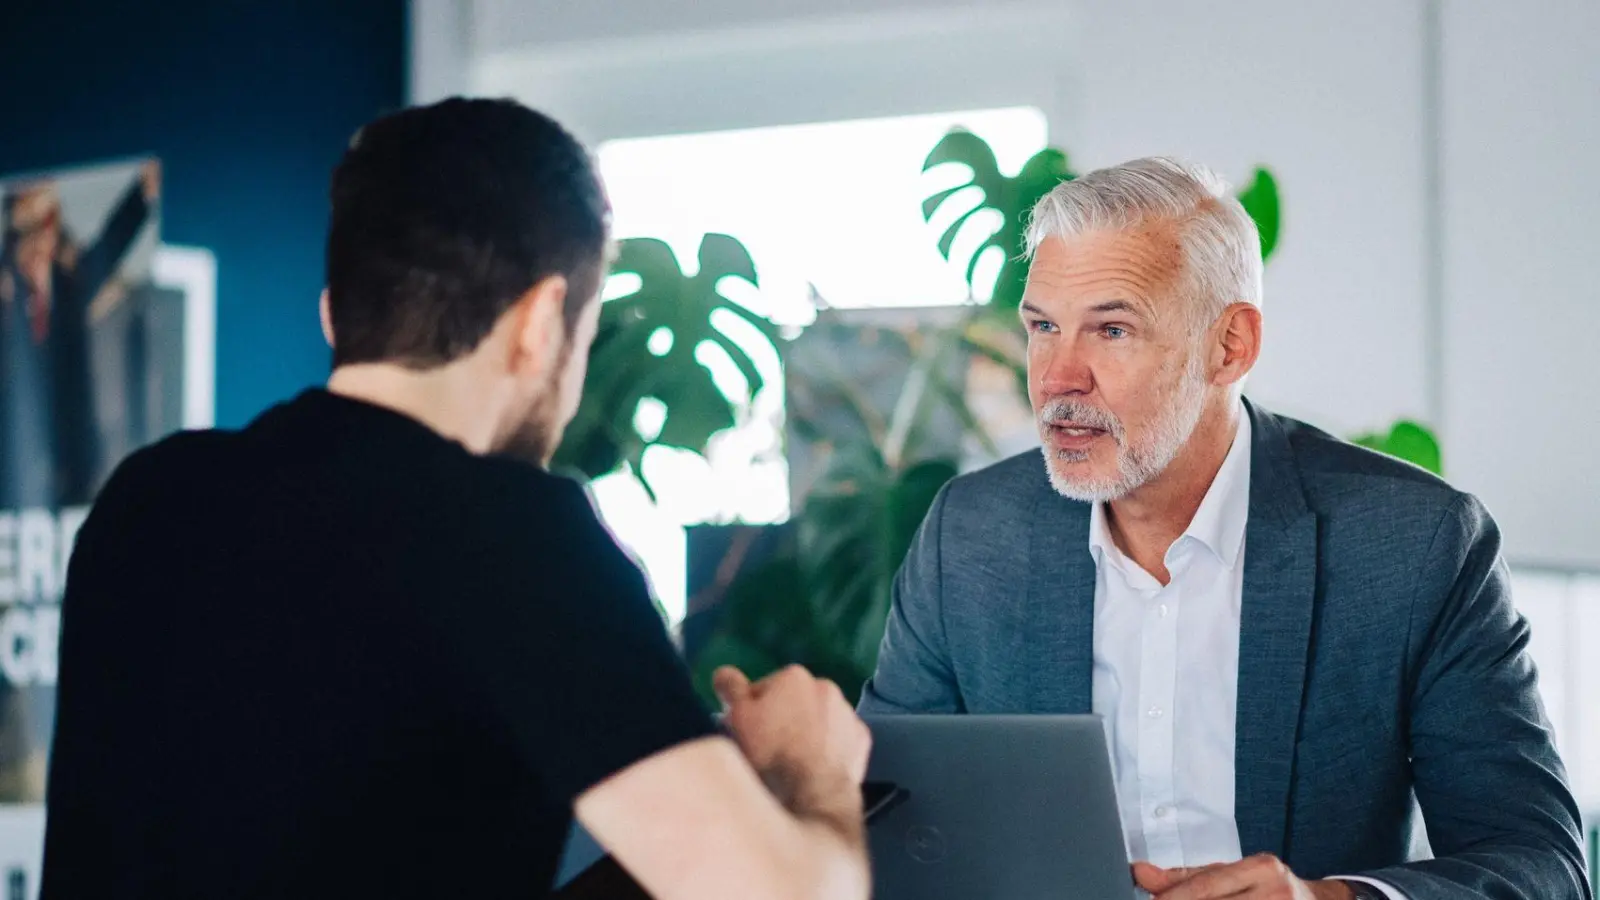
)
(1062, 369)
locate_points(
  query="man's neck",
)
(1146, 522)
(446, 399)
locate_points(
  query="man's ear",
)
(1238, 342)
(327, 318)
(539, 325)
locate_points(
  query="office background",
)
(1434, 159)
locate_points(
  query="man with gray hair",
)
(1289, 637)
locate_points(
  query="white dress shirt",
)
(1166, 676)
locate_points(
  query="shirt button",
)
(1162, 610)
(1163, 811)
(1155, 712)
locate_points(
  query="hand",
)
(1262, 877)
(800, 734)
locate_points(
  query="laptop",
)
(1000, 807)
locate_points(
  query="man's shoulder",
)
(180, 458)
(988, 515)
(526, 493)
(523, 517)
(1000, 487)
(1334, 470)
(1376, 494)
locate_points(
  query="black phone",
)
(879, 797)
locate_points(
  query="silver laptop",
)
(999, 807)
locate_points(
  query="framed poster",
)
(107, 343)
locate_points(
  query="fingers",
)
(1218, 881)
(730, 685)
(1155, 879)
(787, 678)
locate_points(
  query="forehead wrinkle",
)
(1142, 264)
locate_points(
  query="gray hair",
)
(1220, 243)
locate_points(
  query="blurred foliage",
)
(822, 598)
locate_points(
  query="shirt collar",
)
(1218, 524)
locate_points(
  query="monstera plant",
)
(646, 348)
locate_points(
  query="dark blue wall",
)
(248, 104)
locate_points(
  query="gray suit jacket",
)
(1379, 655)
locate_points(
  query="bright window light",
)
(837, 204)
(830, 213)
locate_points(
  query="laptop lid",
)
(1000, 807)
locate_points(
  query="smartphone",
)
(878, 797)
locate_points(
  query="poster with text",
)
(91, 350)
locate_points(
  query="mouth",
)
(1073, 437)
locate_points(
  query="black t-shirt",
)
(335, 654)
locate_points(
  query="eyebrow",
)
(1118, 306)
(1109, 306)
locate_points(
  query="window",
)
(829, 212)
(1563, 611)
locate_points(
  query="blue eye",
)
(1040, 325)
(1115, 332)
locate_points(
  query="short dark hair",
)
(445, 215)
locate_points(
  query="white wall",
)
(1328, 96)
(441, 57)
(1521, 246)
(1115, 79)
(878, 60)
(1335, 98)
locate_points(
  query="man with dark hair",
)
(368, 647)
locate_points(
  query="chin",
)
(1077, 481)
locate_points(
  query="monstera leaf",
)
(1011, 196)
(1014, 198)
(1409, 441)
(645, 348)
(1260, 200)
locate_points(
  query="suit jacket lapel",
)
(1280, 574)
(1059, 657)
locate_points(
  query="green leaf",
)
(623, 371)
(722, 256)
(1012, 197)
(1260, 200)
(1408, 441)
(693, 418)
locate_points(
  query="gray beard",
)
(1136, 465)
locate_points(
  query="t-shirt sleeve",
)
(558, 638)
